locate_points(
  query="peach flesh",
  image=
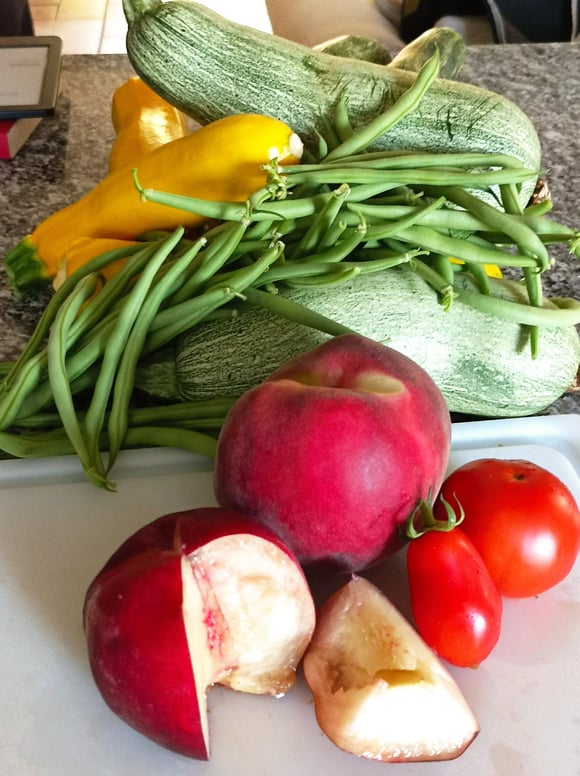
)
(192, 599)
(379, 691)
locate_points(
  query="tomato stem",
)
(422, 520)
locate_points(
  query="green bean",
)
(565, 312)
(443, 219)
(374, 214)
(260, 230)
(56, 350)
(23, 382)
(510, 199)
(204, 413)
(539, 208)
(453, 220)
(438, 282)
(385, 159)
(331, 175)
(404, 105)
(340, 250)
(479, 275)
(172, 322)
(35, 445)
(168, 436)
(95, 415)
(251, 271)
(124, 381)
(443, 267)
(42, 396)
(249, 247)
(30, 398)
(342, 123)
(337, 274)
(288, 272)
(202, 424)
(321, 148)
(38, 337)
(267, 211)
(97, 307)
(474, 250)
(333, 234)
(536, 295)
(293, 311)
(246, 276)
(365, 191)
(386, 262)
(387, 230)
(44, 445)
(44, 420)
(401, 195)
(329, 133)
(28, 392)
(524, 237)
(183, 411)
(215, 255)
(281, 272)
(26, 397)
(225, 211)
(290, 209)
(322, 222)
(511, 203)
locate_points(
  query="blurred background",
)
(98, 26)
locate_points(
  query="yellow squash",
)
(142, 121)
(222, 161)
(490, 269)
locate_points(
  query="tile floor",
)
(98, 26)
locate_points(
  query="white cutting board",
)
(56, 531)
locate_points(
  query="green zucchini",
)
(481, 364)
(447, 42)
(356, 47)
(412, 57)
(210, 67)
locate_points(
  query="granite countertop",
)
(68, 154)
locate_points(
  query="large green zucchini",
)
(356, 47)
(211, 67)
(481, 364)
(448, 43)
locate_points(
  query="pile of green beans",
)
(325, 221)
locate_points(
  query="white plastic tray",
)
(55, 533)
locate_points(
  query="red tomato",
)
(523, 520)
(455, 603)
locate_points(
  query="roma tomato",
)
(523, 520)
(456, 606)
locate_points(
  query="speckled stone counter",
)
(68, 154)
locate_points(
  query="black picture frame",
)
(49, 80)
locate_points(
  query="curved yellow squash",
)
(222, 161)
(142, 121)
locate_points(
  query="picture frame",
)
(30, 68)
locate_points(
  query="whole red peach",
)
(334, 450)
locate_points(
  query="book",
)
(14, 133)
